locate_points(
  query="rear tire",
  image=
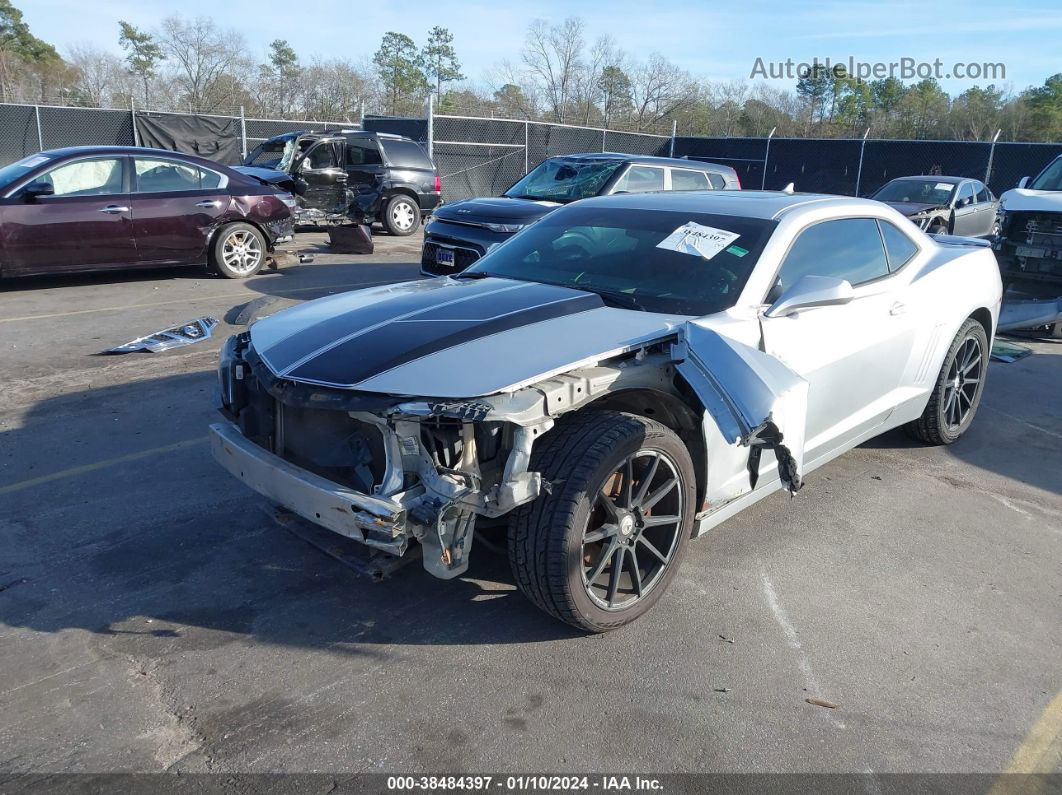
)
(601, 549)
(958, 389)
(238, 251)
(401, 216)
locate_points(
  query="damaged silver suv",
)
(626, 373)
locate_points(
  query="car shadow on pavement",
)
(1018, 428)
(168, 552)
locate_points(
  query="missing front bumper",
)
(374, 521)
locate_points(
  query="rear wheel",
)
(239, 251)
(958, 389)
(601, 549)
(401, 216)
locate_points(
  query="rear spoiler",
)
(959, 240)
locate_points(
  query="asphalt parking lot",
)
(152, 618)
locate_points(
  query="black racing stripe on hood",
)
(305, 342)
(405, 341)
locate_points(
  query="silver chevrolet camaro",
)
(626, 373)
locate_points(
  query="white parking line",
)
(811, 684)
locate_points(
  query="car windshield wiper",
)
(620, 299)
(473, 275)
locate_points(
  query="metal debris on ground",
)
(196, 331)
(1003, 351)
(721, 689)
(821, 702)
(726, 639)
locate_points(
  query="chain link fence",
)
(27, 129)
(854, 166)
(478, 156)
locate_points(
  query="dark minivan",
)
(109, 207)
(340, 173)
(462, 232)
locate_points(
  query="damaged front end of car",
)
(393, 470)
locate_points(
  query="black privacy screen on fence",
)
(832, 165)
(213, 137)
(483, 157)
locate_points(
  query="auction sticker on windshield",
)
(698, 240)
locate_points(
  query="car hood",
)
(268, 174)
(495, 211)
(452, 338)
(1025, 200)
(914, 208)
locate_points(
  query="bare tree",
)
(659, 89)
(552, 54)
(337, 90)
(602, 55)
(101, 76)
(207, 60)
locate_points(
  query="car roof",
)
(935, 178)
(765, 204)
(647, 160)
(67, 151)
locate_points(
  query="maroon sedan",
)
(107, 207)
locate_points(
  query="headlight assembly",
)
(506, 229)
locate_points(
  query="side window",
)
(983, 195)
(687, 179)
(162, 176)
(898, 246)
(321, 156)
(362, 153)
(849, 248)
(966, 195)
(718, 183)
(85, 178)
(405, 154)
(640, 179)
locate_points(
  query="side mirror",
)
(1023, 182)
(811, 291)
(37, 189)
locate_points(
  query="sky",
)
(712, 40)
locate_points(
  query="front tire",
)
(401, 216)
(601, 549)
(958, 389)
(238, 251)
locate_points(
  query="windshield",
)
(564, 179)
(15, 171)
(617, 253)
(919, 191)
(1050, 178)
(273, 154)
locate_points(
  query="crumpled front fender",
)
(754, 400)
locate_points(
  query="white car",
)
(624, 374)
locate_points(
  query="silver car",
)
(626, 373)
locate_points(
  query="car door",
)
(853, 356)
(326, 180)
(985, 203)
(84, 224)
(966, 212)
(364, 165)
(175, 206)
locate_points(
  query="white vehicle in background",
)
(625, 373)
(1029, 243)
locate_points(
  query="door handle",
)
(215, 204)
(114, 209)
(897, 309)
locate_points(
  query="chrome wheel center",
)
(626, 525)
